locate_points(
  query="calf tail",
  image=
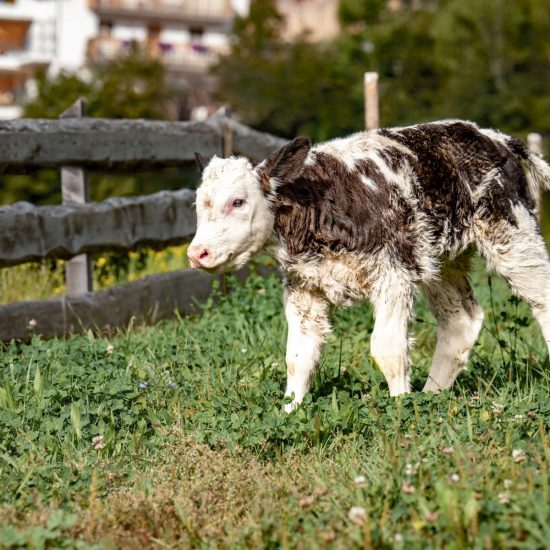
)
(536, 169)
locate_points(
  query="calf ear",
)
(202, 162)
(287, 163)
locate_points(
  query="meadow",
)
(173, 436)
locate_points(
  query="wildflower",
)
(98, 442)
(243, 350)
(398, 537)
(497, 408)
(519, 416)
(519, 455)
(409, 469)
(275, 364)
(261, 291)
(448, 451)
(408, 488)
(110, 349)
(507, 483)
(431, 517)
(503, 498)
(306, 501)
(321, 491)
(32, 323)
(329, 536)
(142, 385)
(171, 384)
(359, 480)
(357, 514)
(475, 397)
(454, 478)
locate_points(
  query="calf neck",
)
(377, 216)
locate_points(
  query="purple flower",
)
(142, 385)
(171, 384)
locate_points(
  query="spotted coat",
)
(379, 215)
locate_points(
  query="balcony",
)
(185, 57)
(183, 12)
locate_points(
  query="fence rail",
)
(101, 144)
(31, 233)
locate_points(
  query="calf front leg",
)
(389, 340)
(307, 315)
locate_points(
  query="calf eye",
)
(237, 203)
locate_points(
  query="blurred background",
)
(287, 67)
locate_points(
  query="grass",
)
(192, 448)
(44, 280)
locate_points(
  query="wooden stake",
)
(534, 142)
(372, 118)
(74, 190)
(227, 134)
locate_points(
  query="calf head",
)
(234, 205)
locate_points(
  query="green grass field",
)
(174, 437)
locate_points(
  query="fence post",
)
(227, 133)
(372, 117)
(534, 142)
(74, 190)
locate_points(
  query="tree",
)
(484, 60)
(131, 86)
(288, 88)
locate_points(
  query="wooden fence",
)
(72, 144)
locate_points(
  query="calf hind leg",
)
(393, 304)
(518, 253)
(459, 320)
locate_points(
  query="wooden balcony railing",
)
(186, 56)
(197, 11)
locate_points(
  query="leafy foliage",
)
(482, 60)
(133, 85)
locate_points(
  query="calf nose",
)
(198, 253)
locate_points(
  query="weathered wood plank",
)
(29, 233)
(29, 144)
(147, 300)
(74, 190)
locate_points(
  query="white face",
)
(234, 220)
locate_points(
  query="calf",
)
(376, 216)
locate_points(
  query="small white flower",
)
(497, 408)
(32, 323)
(357, 514)
(519, 455)
(448, 451)
(519, 416)
(275, 364)
(98, 442)
(110, 348)
(408, 488)
(261, 291)
(454, 478)
(398, 537)
(503, 498)
(508, 483)
(409, 469)
(359, 480)
(243, 350)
